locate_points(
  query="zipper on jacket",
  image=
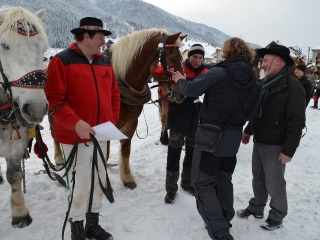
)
(96, 83)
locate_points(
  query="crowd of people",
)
(82, 92)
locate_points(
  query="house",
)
(315, 53)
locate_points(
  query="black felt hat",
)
(278, 50)
(90, 24)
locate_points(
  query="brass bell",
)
(26, 154)
(15, 135)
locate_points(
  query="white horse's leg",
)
(20, 214)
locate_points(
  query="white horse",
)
(23, 103)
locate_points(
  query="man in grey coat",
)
(277, 131)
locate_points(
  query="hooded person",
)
(230, 94)
(82, 92)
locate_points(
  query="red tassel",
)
(159, 68)
(36, 149)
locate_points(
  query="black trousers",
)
(212, 181)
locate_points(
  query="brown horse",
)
(136, 58)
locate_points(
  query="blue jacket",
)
(225, 86)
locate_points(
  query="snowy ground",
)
(141, 214)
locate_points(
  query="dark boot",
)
(171, 186)
(95, 231)
(186, 181)
(77, 230)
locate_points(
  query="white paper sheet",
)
(107, 131)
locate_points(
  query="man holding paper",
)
(82, 92)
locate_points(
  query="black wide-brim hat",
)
(90, 24)
(277, 50)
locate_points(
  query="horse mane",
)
(27, 20)
(127, 48)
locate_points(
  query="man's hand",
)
(284, 158)
(176, 76)
(83, 129)
(245, 138)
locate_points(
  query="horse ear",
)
(183, 37)
(173, 38)
(42, 14)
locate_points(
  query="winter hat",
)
(90, 24)
(196, 49)
(277, 50)
(302, 67)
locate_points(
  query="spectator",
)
(181, 120)
(276, 135)
(300, 73)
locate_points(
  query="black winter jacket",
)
(182, 116)
(307, 88)
(225, 86)
(283, 116)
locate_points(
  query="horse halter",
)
(162, 66)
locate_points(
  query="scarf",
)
(268, 85)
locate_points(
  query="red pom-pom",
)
(36, 149)
(159, 68)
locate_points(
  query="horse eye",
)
(5, 46)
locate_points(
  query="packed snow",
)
(141, 214)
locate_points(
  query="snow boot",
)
(77, 230)
(186, 181)
(95, 231)
(245, 213)
(171, 186)
(271, 224)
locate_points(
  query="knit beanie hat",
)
(196, 49)
(302, 67)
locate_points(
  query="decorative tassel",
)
(15, 135)
(159, 68)
(37, 151)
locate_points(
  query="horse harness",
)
(163, 67)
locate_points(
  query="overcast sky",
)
(292, 22)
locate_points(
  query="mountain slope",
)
(120, 16)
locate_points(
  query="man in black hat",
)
(82, 92)
(276, 134)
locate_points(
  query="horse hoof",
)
(130, 185)
(21, 222)
(164, 141)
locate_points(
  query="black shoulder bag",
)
(208, 135)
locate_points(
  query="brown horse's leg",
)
(1, 176)
(20, 214)
(164, 138)
(58, 157)
(124, 167)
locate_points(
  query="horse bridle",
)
(34, 79)
(160, 51)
